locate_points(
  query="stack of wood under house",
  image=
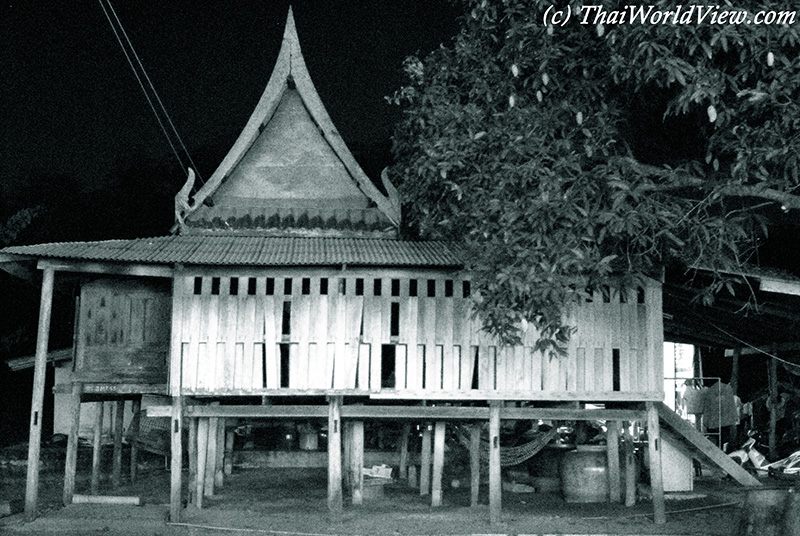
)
(285, 292)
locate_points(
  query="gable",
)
(289, 171)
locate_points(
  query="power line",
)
(130, 50)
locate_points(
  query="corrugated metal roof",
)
(251, 251)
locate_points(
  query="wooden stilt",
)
(335, 458)
(347, 456)
(403, 470)
(656, 477)
(425, 461)
(230, 436)
(438, 463)
(219, 471)
(37, 399)
(475, 463)
(202, 455)
(495, 491)
(116, 469)
(192, 460)
(630, 467)
(136, 409)
(71, 462)
(211, 456)
(176, 460)
(357, 462)
(612, 451)
(412, 476)
(97, 447)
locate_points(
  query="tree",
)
(565, 157)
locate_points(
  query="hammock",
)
(511, 455)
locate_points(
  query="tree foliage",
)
(563, 158)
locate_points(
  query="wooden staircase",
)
(695, 444)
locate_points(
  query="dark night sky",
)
(71, 105)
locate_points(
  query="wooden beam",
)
(425, 461)
(211, 456)
(116, 470)
(192, 461)
(230, 436)
(403, 412)
(495, 485)
(97, 448)
(612, 451)
(202, 455)
(71, 462)
(37, 399)
(176, 460)
(438, 463)
(357, 462)
(656, 476)
(219, 473)
(335, 505)
(115, 268)
(475, 463)
(486, 394)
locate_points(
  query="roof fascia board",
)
(140, 270)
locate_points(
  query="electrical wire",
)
(756, 348)
(130, 50)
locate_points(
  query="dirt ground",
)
(293, 502)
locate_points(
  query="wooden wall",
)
(123, 332)
(393, 332)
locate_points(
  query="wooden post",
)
(116, 470)
(357, 461)
(211, 455)
(176, 461)
(136, 409)
(612, 451)
(37, 399)
(97, 448)
(425, 461)
(335, 457)
(773, 406)
(630, 467)
(495, 491)
(71, 462)
(347, 455)
(656, 477)
(230, 436)
(219, 472)
(412, 476)
(438, 463)
(202, 455)
(192, 460)
(475, 463)
(404, 451)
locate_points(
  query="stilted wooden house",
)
(285, 291)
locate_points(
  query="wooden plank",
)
(319, 374)
(438, 463)
(207, 367)
(176, 465)
(655, 335)
(97, 447)
(246, 338)
(353, 323)
(624, 343)
(485, 369)
(71, 463)
(474, 463)
(588, 326)
(495, 491)
(272, 337)
(37, 399)
(335, 503)
(656, 476)
(444, 334)
(645, 364)
(367, 354)
(537, 358)
(425, 461)
(301, 332)
(337, 331)
(400, 365)
(501, 369)
(409, 333)
(228, 335)
(192, 333)
(373, 335)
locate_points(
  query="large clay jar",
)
(583, 474)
